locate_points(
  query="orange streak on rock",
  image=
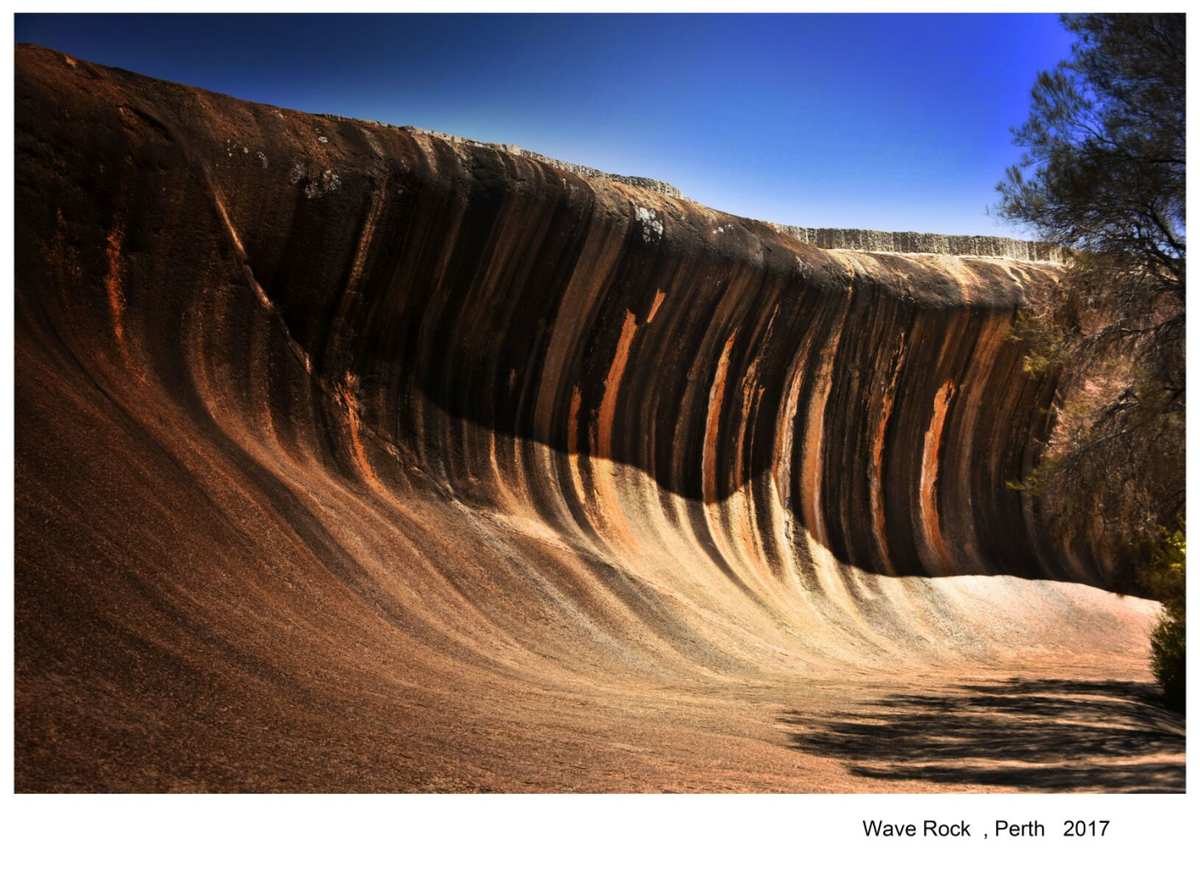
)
(608, 498)
(712, 424)
(573, 444)
(364, 240)
(612, 386)
(654, 307)
(112, 284)
(573, 423)
(991, 339)
(814, 438)
(597, 262)
(930, 516)
(782, 467)
(349, 400)
(248, 273)
(744, 514)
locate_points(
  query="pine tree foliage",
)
(1103, 175)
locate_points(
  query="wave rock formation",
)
(356, 457)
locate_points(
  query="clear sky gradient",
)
(892, 122)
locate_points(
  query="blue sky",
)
(894, 122)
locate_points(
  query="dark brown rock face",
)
(314, 414)
(430, 293)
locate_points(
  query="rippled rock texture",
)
(354, 457)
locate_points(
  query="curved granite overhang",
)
(330, 431)
(459, 302)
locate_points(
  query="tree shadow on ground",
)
(1037, 735)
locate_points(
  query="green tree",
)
(1103, 176)
(1165, 576)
